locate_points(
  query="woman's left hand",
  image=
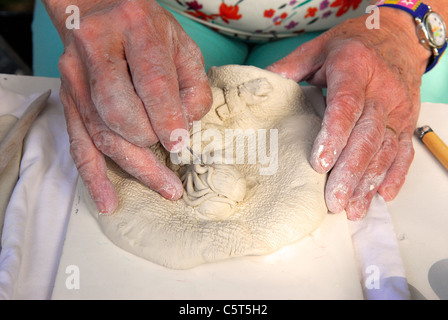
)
(373, 100)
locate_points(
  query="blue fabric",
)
(419, 12)
(47, 46)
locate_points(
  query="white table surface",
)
(419, 213)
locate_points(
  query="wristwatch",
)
(431, 29)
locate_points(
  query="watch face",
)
(436, 29)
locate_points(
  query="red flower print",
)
(269, 13)
(194, 5)
(201, 15)
(345, 6)
(311, 12)
(229, 12)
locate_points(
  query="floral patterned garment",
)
(268, 19)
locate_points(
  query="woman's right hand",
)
(130, 75)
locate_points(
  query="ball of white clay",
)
(213, 191)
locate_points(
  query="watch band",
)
(415, 7)
(418, 10)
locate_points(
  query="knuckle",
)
(66, 63)
(390, 142)
(156, 85)
(354, 50)
(206, 100)
(116, 121)
(108, 107)
(371, 134)
(353, 47)
(137, 14)
(202, 105)
(407, 152)
(194, 49)
(345, 111)
(133, 10)
(347, 104)
(104, 140)
(398, 177)
(63, 95)
(80, 153)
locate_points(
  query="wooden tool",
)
(432, 141)
(15, 136)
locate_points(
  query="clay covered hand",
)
(130, 76)
(373, 99)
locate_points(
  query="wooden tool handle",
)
(14, 138)
(438, 148)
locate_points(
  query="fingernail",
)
(172, 192)
(324, 163)
(175, 146)
(326, 159)
(106, 206)
(388, 193)
(179, 139)
(102, 210)
(338, 201)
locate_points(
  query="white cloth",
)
(376, 248)
(37, 213)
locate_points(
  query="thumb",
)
(303, 62)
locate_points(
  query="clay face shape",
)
(213, 190)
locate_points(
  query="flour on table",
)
(249, 198)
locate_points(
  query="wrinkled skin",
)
(131, 75)
(373, 100)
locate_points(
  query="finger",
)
(111, 88)
(373, 177)
(396, 174)
(155, 79)
(88, 160)
(345, 103)
(116, 101)
(139, 162)
(195, 91)
(365, 140)
(303, 62)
